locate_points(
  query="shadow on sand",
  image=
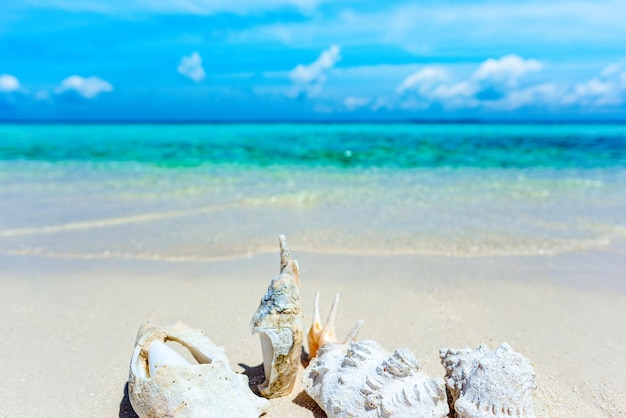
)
(126, 409)
(256, 376)
(304, 401)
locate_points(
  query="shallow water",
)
(197, 192)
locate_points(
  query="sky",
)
(318, 60)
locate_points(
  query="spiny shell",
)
(319, 334)
(485, 383)
(362, 379)
(161, 383)
(278, 320)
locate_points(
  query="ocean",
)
(194, 192)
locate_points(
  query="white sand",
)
(69, 325)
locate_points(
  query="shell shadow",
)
(305, 359)
(256, 376)
(126, 409)
(450, 405)
(303, 400)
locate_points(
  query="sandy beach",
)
(70, 324)
(94, 244)
(454, 170)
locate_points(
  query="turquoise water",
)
(332, 145)
(196, 192)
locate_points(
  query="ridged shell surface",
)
(279, 322)
(181, 389)
(485, 383)
(362, 379)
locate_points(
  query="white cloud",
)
(506, 70)
(381, 103)
(191, 67)
(610, 70)
(608, 89)
(539, 95)
(424, 80)
(489, 85)
(9, 83)
(89, 87)
(605, 90)
(593, 87)
(562, 21)
(352, 102)
(310, 78)
(497, 85)
(430, 28)
(433, 84)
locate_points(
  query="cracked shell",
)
(279, 323)
(162, 383)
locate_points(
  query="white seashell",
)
(278, 321)
(485, 383)
(160, 355)
(362, 379)
(319, 334)
(162, 383)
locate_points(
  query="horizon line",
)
(452, 121)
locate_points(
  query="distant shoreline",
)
(313, 122)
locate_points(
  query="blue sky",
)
(312, 60)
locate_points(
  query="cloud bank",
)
(191, 67)
(495, 84)
(608, 89)
(88, 88)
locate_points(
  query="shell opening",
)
(268, 355)
(161, 355)
(140, 366)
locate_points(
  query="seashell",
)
(162, 383)
(485, 383)
(319, 334)
(279, 323)
(362, 379)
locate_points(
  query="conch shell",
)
(162, 383)
(278, 321)
(319, 334)
(362, 379)
(485, 383)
